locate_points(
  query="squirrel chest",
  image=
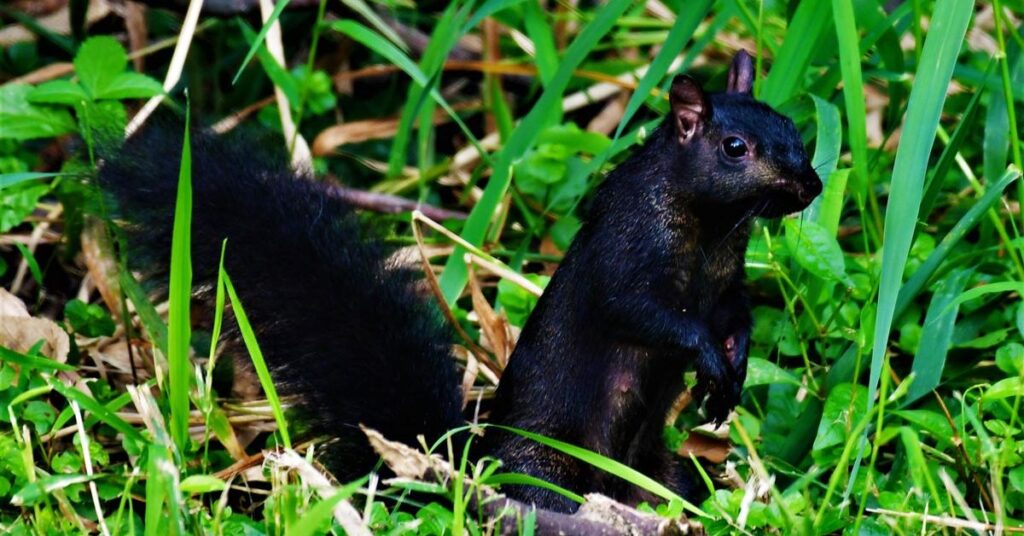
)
(706, 259)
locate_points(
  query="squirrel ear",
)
(741, 74)
(690, 107)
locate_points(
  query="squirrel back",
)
(339, 326)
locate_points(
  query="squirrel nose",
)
(811, 187)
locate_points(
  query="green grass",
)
(887, 361)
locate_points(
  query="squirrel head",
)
(736, 151)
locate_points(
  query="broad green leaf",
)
(128, 85)
(846, 405)
(58, 92)
(99, 61)
(21, 120)
(933, 423)
(764, 372)
(1010, 358)
(816, 250)
(1006, 388)
(17, 202)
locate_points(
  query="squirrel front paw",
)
(718, 383)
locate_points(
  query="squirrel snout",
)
(810, 187)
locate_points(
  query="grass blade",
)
(853, 90)
(808, 26)
(936, 336)
(258, 41)
(260, 364)
(614, 467)
(453, 279)
(945, 38)
(393, 54)
(179, 328)
(923, 274)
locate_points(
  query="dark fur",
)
(337, 325)
(651, 286)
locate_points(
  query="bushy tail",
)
(337, 324)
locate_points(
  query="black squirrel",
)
(651, 286)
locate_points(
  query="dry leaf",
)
(20, 332)
(371, 129)
(711, 449)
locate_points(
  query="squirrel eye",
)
(734, 147)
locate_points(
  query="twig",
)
(389, 204)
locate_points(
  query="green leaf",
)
(98, 63)
(164, 502)
(90, 319)
(197, 484)
(516, 301)
(318, 517)
(539, 31)
(816, 250)
(932, 422)
(128, 85)
(519, 479)
(846, 405)
(58, 92)
(853, 89)
(984, 290)
(40, 414)
(17, 202)
(12, 179)
(259, 363)
(681, 32)
(1007, 388)
(1010, 358)
(21, 120)
(381, 46)
(764, 372)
